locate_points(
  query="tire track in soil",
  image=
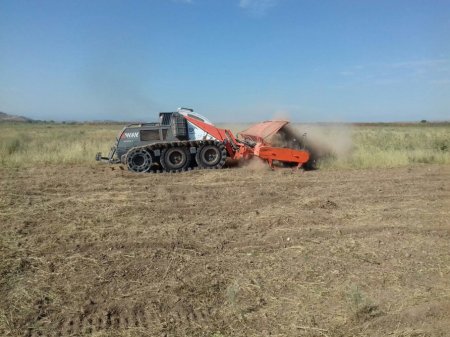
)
(123, 319)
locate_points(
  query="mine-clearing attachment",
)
(276, 143)
(281, 155)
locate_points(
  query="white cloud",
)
(257, 7)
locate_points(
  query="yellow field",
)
(383, 146)
(346, 146)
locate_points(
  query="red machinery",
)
(255, 142)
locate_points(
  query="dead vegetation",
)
(87, 251)
(341, 146)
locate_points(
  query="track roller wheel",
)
(175, 159)
(139, 160)
(211, 156)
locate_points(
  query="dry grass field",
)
(359, 247)
(367, 146)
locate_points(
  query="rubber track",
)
(185, 143)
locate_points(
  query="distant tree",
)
(423, 121)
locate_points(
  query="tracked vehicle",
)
(184, 140)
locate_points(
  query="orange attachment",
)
(261, 132)
(281, 154)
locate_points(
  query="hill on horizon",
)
(4, 117)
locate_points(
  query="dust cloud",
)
(322, 141)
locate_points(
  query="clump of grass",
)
(13, 145)
(217, 334)
(361, 307)
(232, 292)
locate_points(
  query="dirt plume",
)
(323, 142)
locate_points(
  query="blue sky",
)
(231, 60)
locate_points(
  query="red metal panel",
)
(217, 133)
(261, 132)
(282, 154)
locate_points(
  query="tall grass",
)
(34, 144)
(386, 146)
(376, 146)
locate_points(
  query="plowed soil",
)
(235, 252)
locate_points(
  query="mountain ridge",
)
(4, 117)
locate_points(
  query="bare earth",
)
(236, 252)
